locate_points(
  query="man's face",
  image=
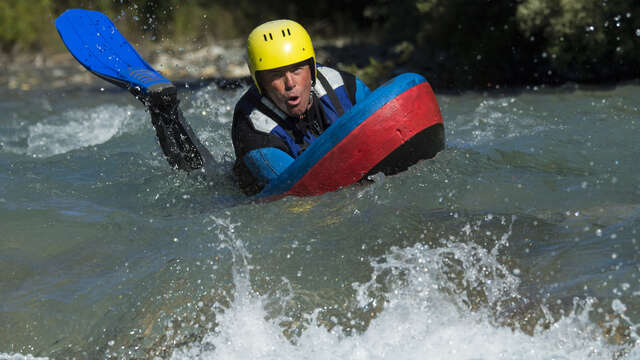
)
(288, 87)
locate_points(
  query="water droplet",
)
(618, 306)
(625, 286)
(614, 256)
(637, 32)
(598, 232)
(590, 28)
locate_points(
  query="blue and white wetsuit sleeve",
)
(266, 164)
(260, 156)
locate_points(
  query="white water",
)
(571, 168)
(421, 318)
(75, 129)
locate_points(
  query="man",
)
(293, 100)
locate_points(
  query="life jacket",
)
(334, 90)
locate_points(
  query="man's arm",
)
(259, 156)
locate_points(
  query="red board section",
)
(385, 130)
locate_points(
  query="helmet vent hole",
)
(288, 31)
(265, 37)
(270, 36)
(283, 34)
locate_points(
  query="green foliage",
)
(198, 22)
(29, 24)
(22, 23)
(376, 72)
(474, 42)
(485, 41)
(461, 42)
(373, 74)
(585, 39)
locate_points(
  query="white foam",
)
(425, 316)
(20, 357)
(75, 129)
(494, 119)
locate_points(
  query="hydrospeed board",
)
(397, 125)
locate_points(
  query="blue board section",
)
(96, 43)
(359, 113)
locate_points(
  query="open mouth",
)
(292, 101)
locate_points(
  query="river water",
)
(519, 241)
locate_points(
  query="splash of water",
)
(20, 357)
(435, 303)
(76, 129)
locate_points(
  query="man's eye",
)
(276, 76)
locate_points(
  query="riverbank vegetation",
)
(456, 43)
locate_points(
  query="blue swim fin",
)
(96, 43)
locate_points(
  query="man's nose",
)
(289, 82)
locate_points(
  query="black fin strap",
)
(175, 139)
(332, 94)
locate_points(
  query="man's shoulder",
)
(248, 113)
(330, 72)
(247, 101)
(336, 79)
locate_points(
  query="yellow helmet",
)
(279, 43)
